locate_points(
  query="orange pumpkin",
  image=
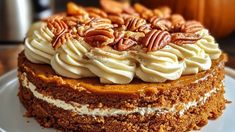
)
(217, 15)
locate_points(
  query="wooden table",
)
(8, 58)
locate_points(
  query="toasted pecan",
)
(156, 39)
(73, 9)
(114, 7)
(116, 19)
(184, 38)
(133, 23)
(143, 11)
(177, 21)
(160, 23)
(99, 37)
(192, 27)
(124, 44)
(96, 12)
(58, 28)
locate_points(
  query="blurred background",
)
(17, 15)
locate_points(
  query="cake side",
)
(50, 116)
(167, 94)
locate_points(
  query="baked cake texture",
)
(121, 68)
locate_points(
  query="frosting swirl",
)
(208, 44)
(111, 66)
(69, 60)
(38, 47)
(195, 58)
(158, 66)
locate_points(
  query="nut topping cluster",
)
(122, 27)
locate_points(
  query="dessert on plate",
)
(121, 68)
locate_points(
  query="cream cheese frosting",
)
(38, 48)
(208, 44)
(158, 66)
(69, 61)
(195, 58)
(76, 59)
(111, 66)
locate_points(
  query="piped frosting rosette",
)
(208, 44)
(38, 47)
(194, 57)
(69, 60)
(158, 66)
(111, 66)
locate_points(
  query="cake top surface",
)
(119, 42)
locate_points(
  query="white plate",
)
(11, 110)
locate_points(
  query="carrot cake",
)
(121, 68)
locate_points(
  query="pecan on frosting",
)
(58, 28)
(156, 39)
(73, 9)
(124, 44)
(133, 23)
(184, 38)
(116, 19)
(99, 37)
(96, 12)
(162, 12)
(143, 11)
(122, 41)
(97, 23)
(192, 27)
(177, 22)
(114, 7)
(160, 23)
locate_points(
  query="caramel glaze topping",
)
(122, 27)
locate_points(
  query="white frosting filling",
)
(83, 109)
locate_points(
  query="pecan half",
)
(129, 10)
(144, 28)
(177, 22)
(184, 38)
(143, 11)
(192, 27)
(100, 22)
(162, 12)
(133, 23)
(73, 9)
(58, 28)
(156, 39)
(114, 7)
(96, 12)
(116, 19)
(99, 37)
(97, 23)
(73, 21)
(118, 35)
(124, 44)
(160, 23)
